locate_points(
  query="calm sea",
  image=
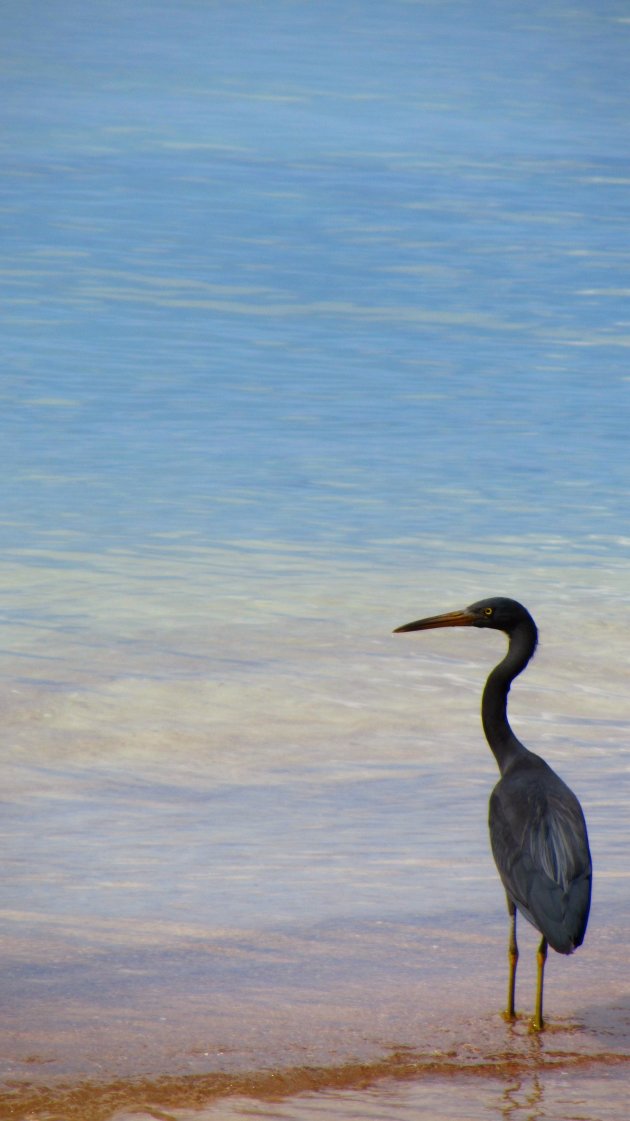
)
(315, 318)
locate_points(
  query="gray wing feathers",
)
(540, 846)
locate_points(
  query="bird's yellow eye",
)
(487, 611)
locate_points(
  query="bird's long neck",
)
(503, 743)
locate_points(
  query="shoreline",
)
(106, 1098)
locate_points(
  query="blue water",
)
(318, 274)
(314, 318)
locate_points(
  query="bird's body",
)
(539, 843)
(537, 828)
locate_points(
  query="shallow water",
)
(314, 321)
(262, 855)
(516, 1097)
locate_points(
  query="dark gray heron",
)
(537, 828)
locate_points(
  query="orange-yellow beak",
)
(449, 619)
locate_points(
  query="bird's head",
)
(498, 613)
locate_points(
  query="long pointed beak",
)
(449, 619)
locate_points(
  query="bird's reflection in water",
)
(523, 1099)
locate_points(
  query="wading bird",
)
(537, 828)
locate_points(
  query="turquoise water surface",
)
(315, 319)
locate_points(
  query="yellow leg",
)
(512, 960)
(541, 958)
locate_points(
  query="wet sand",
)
(192, 1018)
(452, 1074)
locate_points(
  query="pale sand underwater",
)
(248, 853)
